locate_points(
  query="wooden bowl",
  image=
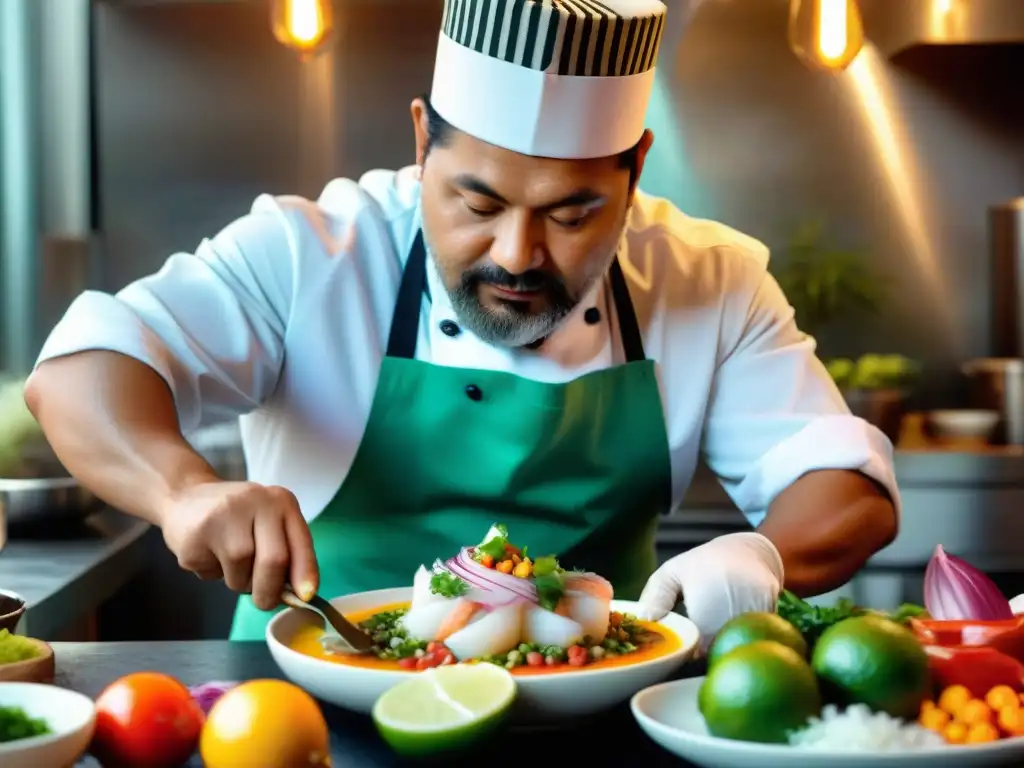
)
(35, 670)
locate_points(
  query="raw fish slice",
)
(497, 632)
(591, 583)
(543, 627)
(457, 619)
(424, 622)
(421, 594)
(591, 613)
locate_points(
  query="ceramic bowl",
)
(555, 695)
(70, 715)
(961, 427)
(668, 713)
(12, 608)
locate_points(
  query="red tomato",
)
(146, 720)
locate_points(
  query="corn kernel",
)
(934, 719)
(522, 570)
(975, 711)
(953, 698)
(980, 733)
(1002, 696)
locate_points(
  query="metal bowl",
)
(51, 499)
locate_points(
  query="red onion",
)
(956, 590)
(487, 595)
(497, 588)
(207, 694)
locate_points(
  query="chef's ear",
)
(421, 128)
(642, 148)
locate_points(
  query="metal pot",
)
(49, 500)
(883, 408)
(998, 384)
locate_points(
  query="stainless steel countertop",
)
(63, 578)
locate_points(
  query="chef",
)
(508, 331)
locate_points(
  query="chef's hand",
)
(253, 536)
(723, 578)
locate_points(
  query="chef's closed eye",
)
(572, 218)
(481, 207)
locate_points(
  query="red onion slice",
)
(464, 566)
(483, 592)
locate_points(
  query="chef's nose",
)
(517, 246)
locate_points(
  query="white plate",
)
(668, 714)
(70, 715)
(574, 693)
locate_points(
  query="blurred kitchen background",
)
(891, 194)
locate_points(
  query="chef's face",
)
(519, 240)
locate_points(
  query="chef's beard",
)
(513, 324)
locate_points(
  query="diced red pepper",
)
(1005, 635)
(977, 668)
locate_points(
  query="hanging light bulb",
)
(825, 34)
(305, 26)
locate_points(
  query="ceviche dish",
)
(496, 603)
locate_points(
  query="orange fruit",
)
(269, 723)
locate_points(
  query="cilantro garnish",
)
(448, 585)
(550, 589)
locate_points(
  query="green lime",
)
(760, 691)
(748, 627)
(874, 661)
(444, 709)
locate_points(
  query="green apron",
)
(580, 470)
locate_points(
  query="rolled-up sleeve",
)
(775, 414)
(210, 323)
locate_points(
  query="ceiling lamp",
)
(825, 34)
(305, 26)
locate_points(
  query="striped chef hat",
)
(548, 78)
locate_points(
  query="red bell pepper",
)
(977, 668)
(1004, 635)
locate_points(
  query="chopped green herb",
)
(16, 724)
(494, 547)
(544, 566)
(15, 648)
(448, 585)
(550, 589)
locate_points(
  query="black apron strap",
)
(632, 341)
(405, 323)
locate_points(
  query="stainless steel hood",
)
(897, 25)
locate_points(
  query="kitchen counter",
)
(608, 740)
(67, 575)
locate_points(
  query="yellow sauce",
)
(307, 641)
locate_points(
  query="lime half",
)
(444, 709)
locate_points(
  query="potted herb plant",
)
(825, 284)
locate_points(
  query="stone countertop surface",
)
(68, 572)
(612, 740)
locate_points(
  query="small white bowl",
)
(962, 426)
(553, 695)
(70, 715)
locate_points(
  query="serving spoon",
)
(340, 634)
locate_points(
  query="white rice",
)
(858, 729)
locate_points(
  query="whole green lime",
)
(760, 691)
(874, 661)
(749, 627)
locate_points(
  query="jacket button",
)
(448, 328)
(473, 392)
(592, 316)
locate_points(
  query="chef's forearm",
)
(112, 423)
(826, 526)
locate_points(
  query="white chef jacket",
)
(282, 319)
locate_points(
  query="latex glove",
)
(717, 581)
